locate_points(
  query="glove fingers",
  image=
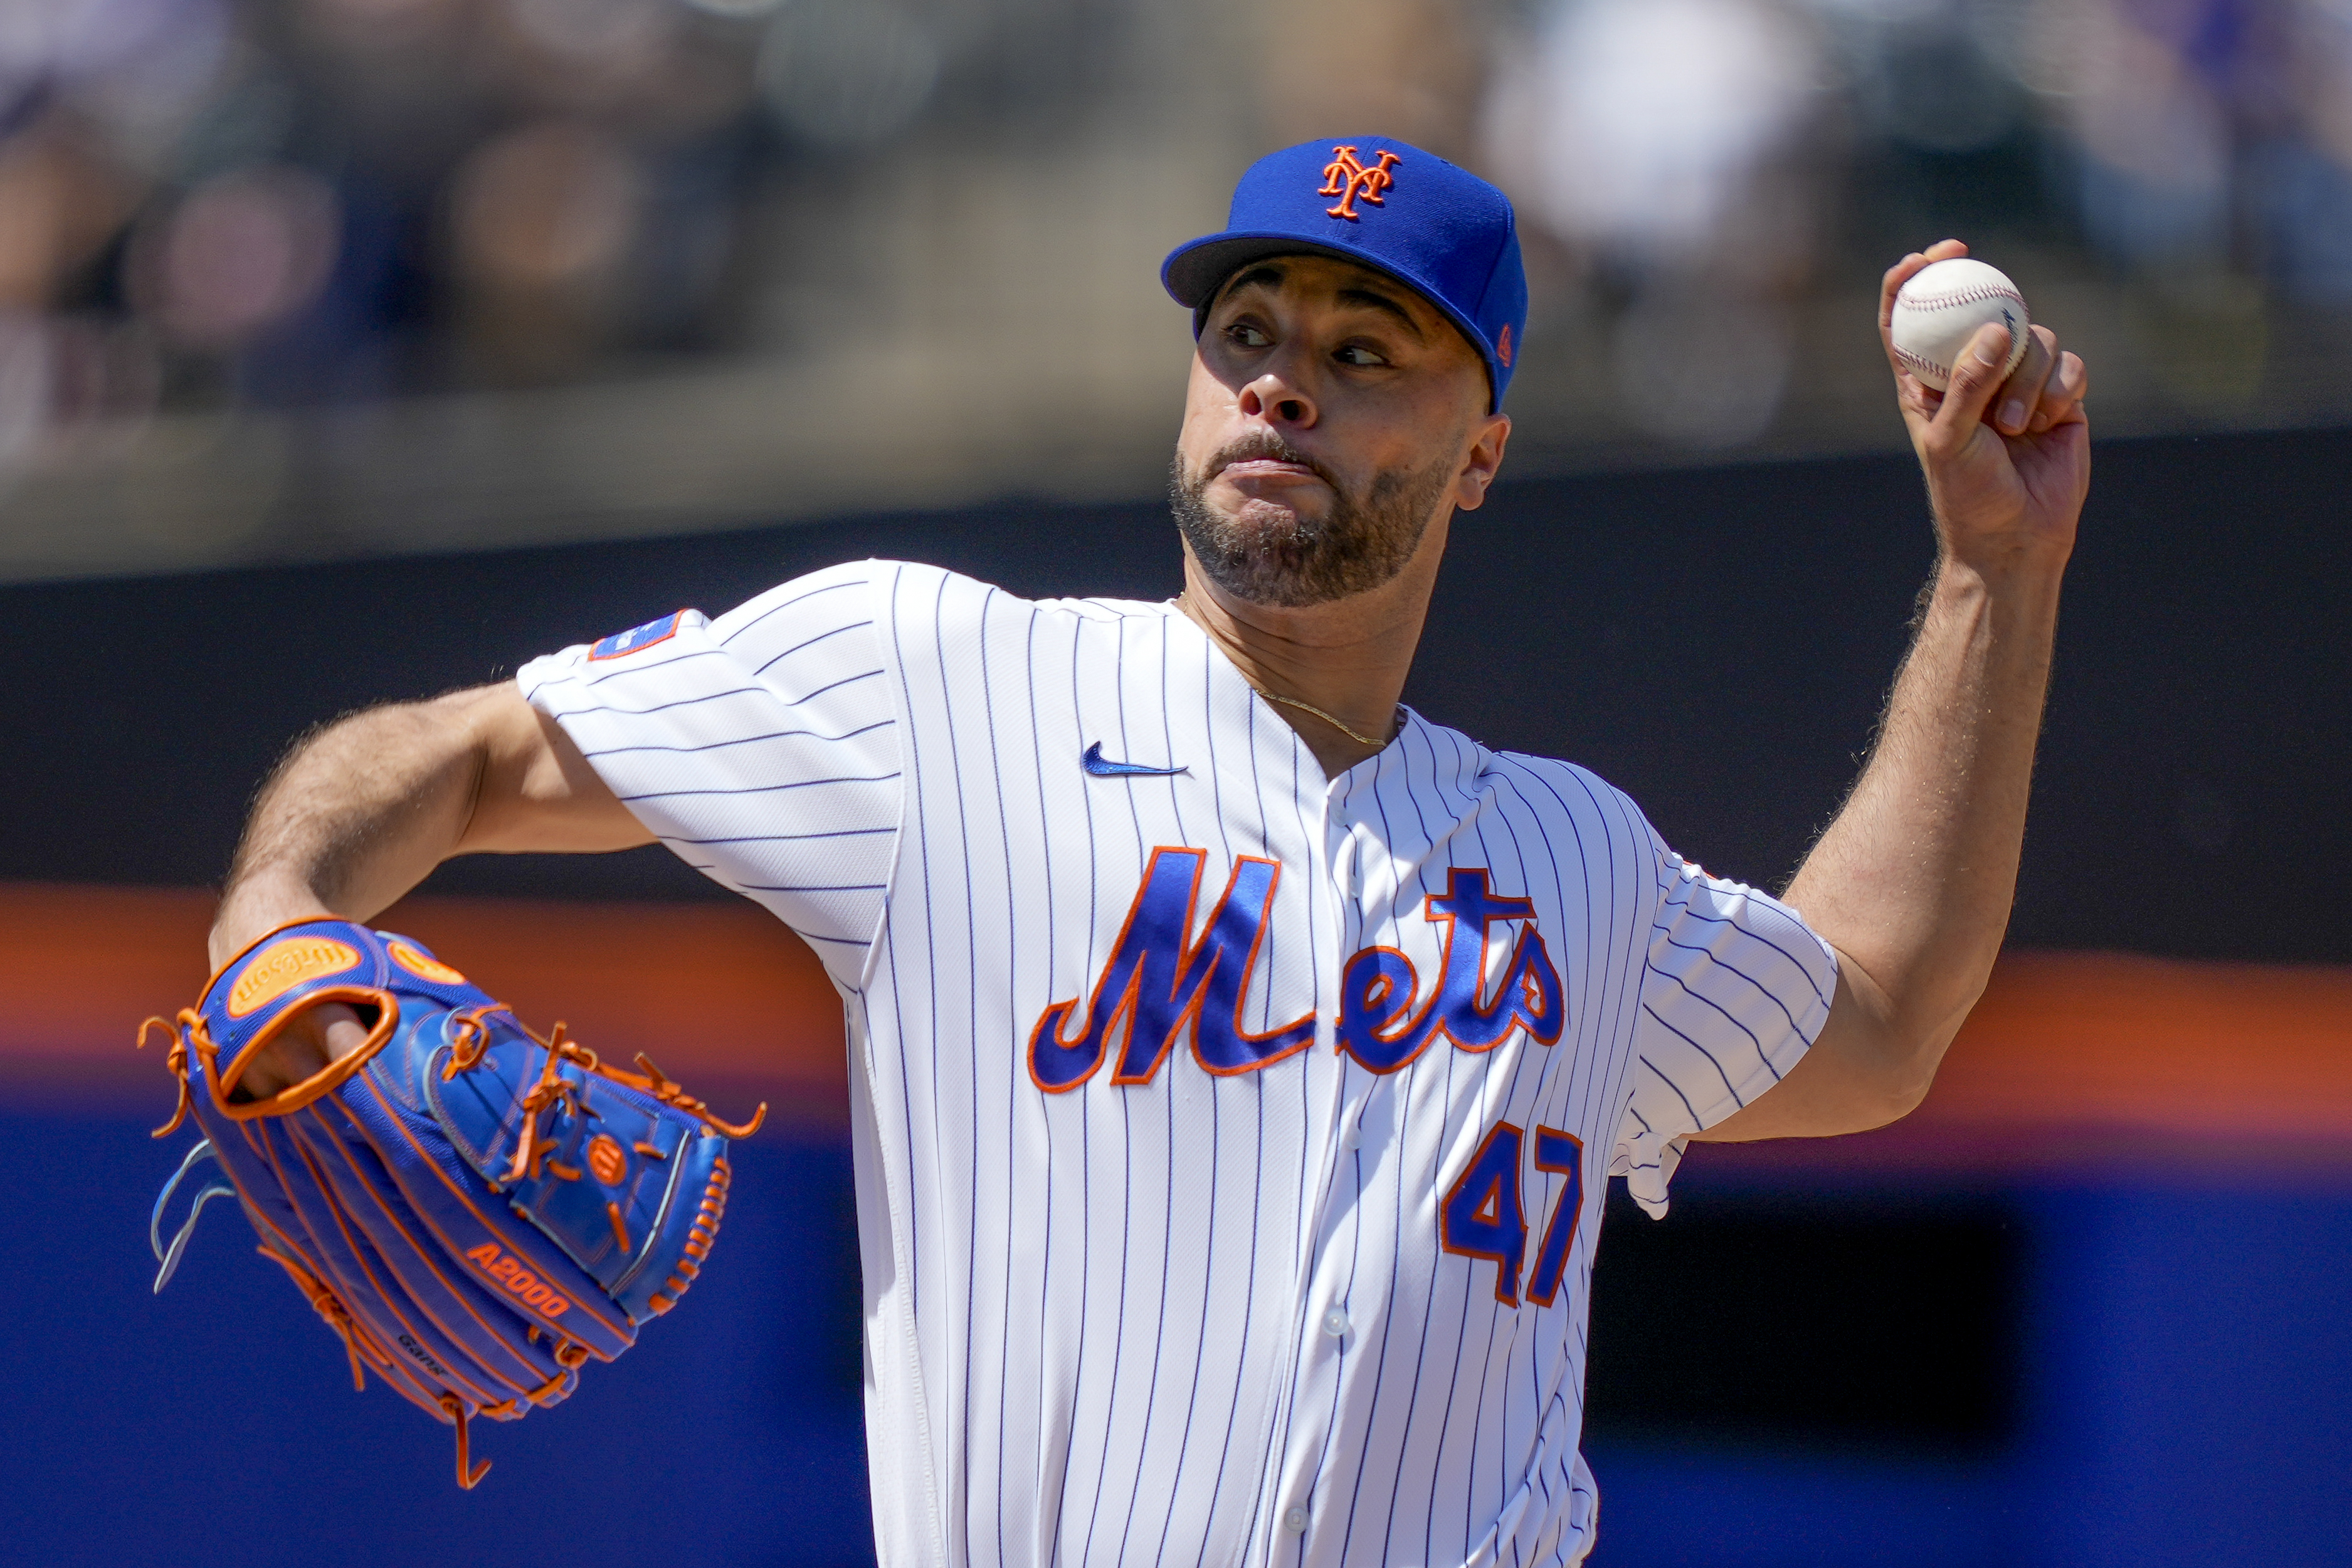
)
(458, 1324)
(474, 1222)
(374, 1295)
(292, 1221)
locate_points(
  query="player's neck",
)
(1349, 658)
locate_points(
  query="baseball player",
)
(1237, 1057)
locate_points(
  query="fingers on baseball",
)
(1903, 271)
(1975, 379)
(2020, 398)
(2061, 398)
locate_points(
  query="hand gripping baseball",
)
(2007, 459)
(476, 1211)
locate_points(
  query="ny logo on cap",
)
(1346, 178)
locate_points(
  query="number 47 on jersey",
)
(1484, 1214)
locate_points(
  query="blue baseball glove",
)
(477, 1212)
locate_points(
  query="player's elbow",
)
(1874, 1099)
(1903, 1070)
(1896, 1044)
(1873, 1076)
(1898, 1094)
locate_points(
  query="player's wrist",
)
(2022, 572)
(254, 907)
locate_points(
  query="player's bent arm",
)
(1912, 883)
(363, 811)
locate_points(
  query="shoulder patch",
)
(621, 643)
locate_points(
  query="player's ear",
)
(1481, 462)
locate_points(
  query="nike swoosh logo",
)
(1101, 766)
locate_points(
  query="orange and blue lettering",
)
(1482, 1218)
(1377, 1024)
(1560, 1153)
(1160, 985)
(505, 1271)
(1346, 178)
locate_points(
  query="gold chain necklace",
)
(1359, 736)
(1396, 719)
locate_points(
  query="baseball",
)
(1942, 307)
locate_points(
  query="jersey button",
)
(1335, 1322)
(1294, 1521)
(1353, 1138)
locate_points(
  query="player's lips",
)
(1266, 468)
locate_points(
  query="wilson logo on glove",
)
(282, 966)
(474, 1211)
(606, 1161)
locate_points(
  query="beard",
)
(1364, 541)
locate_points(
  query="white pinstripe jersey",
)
(1230, 1141)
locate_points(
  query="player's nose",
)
(1274, 398)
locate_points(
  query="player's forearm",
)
(1914, 882)
(357, 816)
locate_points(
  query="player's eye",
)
(1358, 355)
(1240, 334)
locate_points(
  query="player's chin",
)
(1268, 529)
(1257, 492)
(1287, 569)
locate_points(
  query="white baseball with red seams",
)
(1943, 306)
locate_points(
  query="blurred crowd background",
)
(299, 278)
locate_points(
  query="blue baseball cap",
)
(1440, 230)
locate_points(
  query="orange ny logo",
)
(1346, 178)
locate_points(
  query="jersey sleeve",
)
(763, 747)
(1735, 988)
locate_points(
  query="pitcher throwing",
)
(1237, 1058)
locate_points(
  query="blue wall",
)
(2187, 1398)
(2194, 1385)
(215, 1423)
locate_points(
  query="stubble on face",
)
(1273, 556)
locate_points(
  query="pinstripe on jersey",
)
(1198, 1310)
(761, 747)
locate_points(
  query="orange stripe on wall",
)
(2065, 1048)
(2199, 1049)
(714, 992)
(2110, 1060)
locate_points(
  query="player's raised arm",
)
(1913, 882)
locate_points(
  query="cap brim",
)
(1192, 274)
